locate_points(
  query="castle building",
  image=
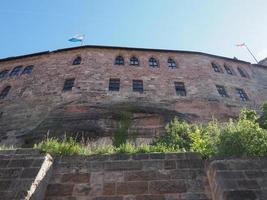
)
(85, 89)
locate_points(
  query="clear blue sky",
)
(211, 26)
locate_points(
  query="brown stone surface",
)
(36, 102)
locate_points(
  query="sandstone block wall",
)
(129, 177)
(24, 174)
(36, 103)
(238, 179)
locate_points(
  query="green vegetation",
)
(4, 147)
(246, 136)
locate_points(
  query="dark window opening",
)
(228, 70)
(3, 74)
(68, 85)
(114, 84)
(180, 89)
(242, 72)
(134, 61)
(153, 62)
(119, 60)
(216, 68)
(15, 71)
(172, 63)
(221, 90)
(138, 86)
(77, 60)
(242, 95)
(27, 70)
(5, 92)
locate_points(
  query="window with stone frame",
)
(3, 74)
(172, 63)
(138, 86)
(242, 72)
(27, 70)
(216, 67)
(114, 84)
(242, 94)
(153, 62)
(134, 61)
(68, 84)
(180, 88)
(119, 60)
(221, 90)
(229, 70)
(5, 92)
(15, 71)
(77, 60)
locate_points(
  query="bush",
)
(243, 138)
(177, 136)
(263, 118)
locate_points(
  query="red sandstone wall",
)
(37, 104)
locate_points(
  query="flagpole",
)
(251, 53)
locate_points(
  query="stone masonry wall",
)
(129, 177)
(24, 174)
(36, 103)
(238, 179)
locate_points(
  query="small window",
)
(221, 90)
(119, 60)
(153, 62)
(242, 72)
(216, 68)
(242, 95)
(180, 89)
(114, 84)
(27, 70)
(77, 60)
(138, 86)
(172, 63)
(68, 85)
(228, 70)
(5, 92)
(15, 71)
(134, 61)
(3, 74)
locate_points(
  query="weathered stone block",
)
(59, 190)
(132, 188)
(162, 187)
(76, 178)
(109, 189)
(123, 165)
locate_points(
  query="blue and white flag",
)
(77, 38)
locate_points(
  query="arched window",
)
(216, 67)
(134, 61)
(153, 62)
(77, 60)
(3, 74)
(119, 60)
(242, 72)
(5, 92)
(172, 63)
(15, 71)
(27, 70)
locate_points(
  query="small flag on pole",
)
(77, 38)
(241, 45)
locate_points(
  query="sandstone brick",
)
(4, 185)
(153, 165)
(10, 173)
(162, 187)
(239, 195)
(113, 176)
(140, 156)
(194, 163)
(109, 189)
(76, 178)
(157, 155)
(21, 163)
(81, 190)
(120, 157)
(30, 173)
(150, 197)
(123, 165)
(132, 188)
(146, 175)
(108, 198)
(169, 164)
(59, 190)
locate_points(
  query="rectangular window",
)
(221, 90)
(68, 85)
(180, 89)
(15, 71)
(114, 84)
(242, 95)
(138, 86)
